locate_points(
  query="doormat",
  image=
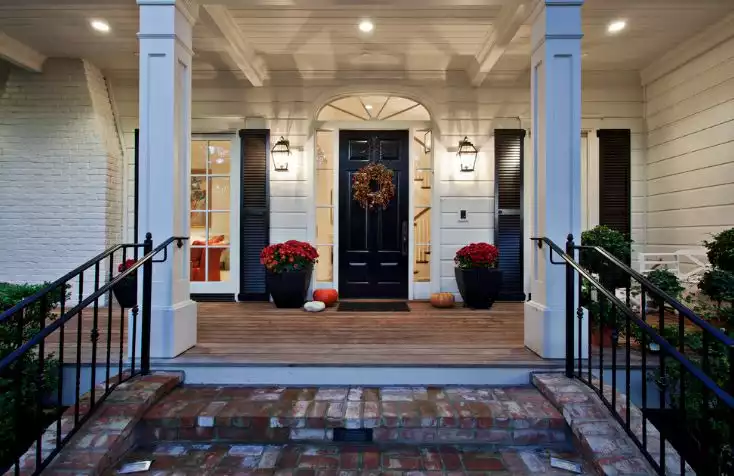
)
(376, 306)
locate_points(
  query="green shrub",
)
(667, 281)
(24, 384)
(613, 242)
(720, 251)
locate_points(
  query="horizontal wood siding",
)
(690, 159)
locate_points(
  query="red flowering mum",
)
(477, 255)
(127, 264)
(292, 255)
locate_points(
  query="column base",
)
(545, 331)
(173, 330)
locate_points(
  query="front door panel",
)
(373, 244)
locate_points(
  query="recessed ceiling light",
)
(366, 26)
(616, 26)
(100, 25)
(368, 106)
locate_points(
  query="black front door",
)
(373, 244)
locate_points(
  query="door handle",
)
(404, 248)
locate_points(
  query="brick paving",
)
(446, 415)
(184, 459)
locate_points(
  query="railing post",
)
(570, 300)
(147, 299)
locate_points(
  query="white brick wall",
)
(60, 171)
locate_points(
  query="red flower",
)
(289, 256)
(127, 264)
(477, 255)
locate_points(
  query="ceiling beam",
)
(241, 52)
(20, 54)
(512, 16)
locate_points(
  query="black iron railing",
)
(676, 366)
(55, 333)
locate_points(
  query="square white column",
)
(165, 164)
(555, 208)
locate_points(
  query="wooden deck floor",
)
(260, 333)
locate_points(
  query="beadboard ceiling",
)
(320, 38)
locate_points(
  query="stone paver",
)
(184, 459)
(602, 439)
(508, 416)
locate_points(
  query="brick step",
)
(341, 460)
(514, 416)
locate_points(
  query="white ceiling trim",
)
(512, 16)
(242, 53)
(689, 50)
(20, 54)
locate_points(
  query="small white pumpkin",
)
(314, 306)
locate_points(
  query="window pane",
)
(325, 150)
(422, 226)
(324, 187)
(219, 193)
(422, 188)
(198, 193)
(198, 156)
(198, 229)
(220, 157)
(218, 229)
(324, 226)
(325, 266)
(422, 271)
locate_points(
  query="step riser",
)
(559, 438)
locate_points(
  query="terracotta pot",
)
(327, 296)
(126, 292)
(288, 290)
(606, 338)
(479, 287)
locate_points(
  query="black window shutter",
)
(255, 214)
(615, 152)
(508, 199)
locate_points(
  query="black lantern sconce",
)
(467, 155)
(280, 153)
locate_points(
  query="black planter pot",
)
(126, 292)
(288, 290)
(479, 287)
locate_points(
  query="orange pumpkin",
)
(327, 296)
(442, 300)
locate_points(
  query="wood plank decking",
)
(258, 333)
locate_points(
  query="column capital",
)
(189, 8)
(556, 20)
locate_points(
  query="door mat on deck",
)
(378, 306)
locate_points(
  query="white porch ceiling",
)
(319, 38)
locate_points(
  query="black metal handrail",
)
(62, 281)
(679, 372)
(28, 322)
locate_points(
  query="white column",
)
(165, 157)
(556, 164)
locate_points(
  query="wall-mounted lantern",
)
(280, 153)
(467, 155)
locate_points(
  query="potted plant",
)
(289, 267)
(126, 291)
(615, 243)
(477, 276)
